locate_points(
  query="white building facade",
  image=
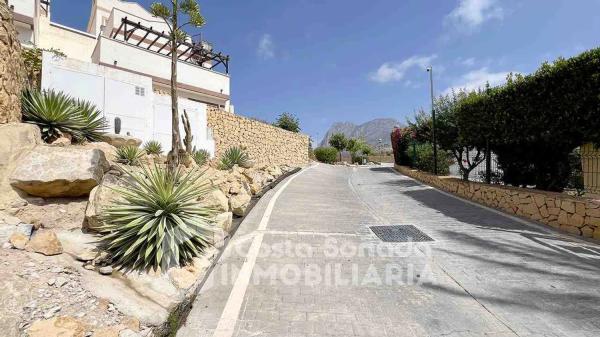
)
(122, 63)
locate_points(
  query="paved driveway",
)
(305, 263)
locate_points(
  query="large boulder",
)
(59, 172)
(224, 221)
(100, 197)
(121, 140)
(110, 152)
(216, 200)
(239, 203)
(257, 180)
(16, 139)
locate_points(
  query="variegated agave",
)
(157, 222)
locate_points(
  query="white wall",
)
(24, 7)
(75, 44)
(114, 92)
(141, 60)
(161, 130)
(111, 90)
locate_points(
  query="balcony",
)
(134, 44)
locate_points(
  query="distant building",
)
(122, 64)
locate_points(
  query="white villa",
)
(122, 64)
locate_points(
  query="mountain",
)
(370, 131)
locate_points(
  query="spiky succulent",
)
(56, 113)
(200, 156)
(53, 112)
(129, 155)
(157, 221)
(94, 124)
(233, 156)
(153, 147)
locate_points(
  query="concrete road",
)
(305, 263)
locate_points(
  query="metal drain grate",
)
(400, 233)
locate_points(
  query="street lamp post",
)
(435, 164)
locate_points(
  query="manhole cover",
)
(400, 233)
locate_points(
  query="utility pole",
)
(435, 158)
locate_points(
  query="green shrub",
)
(200, 156)
(326, 154)
(55, 113)
(288, 121)
(424, 159)
(153, 147)
(129, 155)
(157, 222)
(234, 156)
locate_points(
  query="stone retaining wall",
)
(579, 216)
(11, 68)
(265, 144)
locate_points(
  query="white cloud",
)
(266, 47)
(476, 79)
(395, 71)
(470, 14)
(469, 62)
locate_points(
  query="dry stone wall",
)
(11, 68)
(579, 216)
(265, 144)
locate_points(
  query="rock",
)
(107, 270)
(112, 331)
(121, 140)
(87, 255)
(51, 282)
(239, 203)
(18, 240)
(9, 219)
(275, 171)
(100, 197)
(128, 333)
(110, 152)
(131, 323)
(61, 141)
(25, 229)
(60, 281)
(182, 278)
(216, 200)
(248, 164)
(59, 172)
(224, 221)
(44, 241)
(57, 327)
(218, 237)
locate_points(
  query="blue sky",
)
(350, 60)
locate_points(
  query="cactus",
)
(188, 133)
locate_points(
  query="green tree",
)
(339, 142)
(170, 13)
(448, 136)
(288, 121)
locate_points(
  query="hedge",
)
(534, 122)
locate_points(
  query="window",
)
(140, 91)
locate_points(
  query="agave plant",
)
(233, 156)
(129, 155)
(157, 222)
(153, 147)
(94, 124)
(53, 112)
(200, 156)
